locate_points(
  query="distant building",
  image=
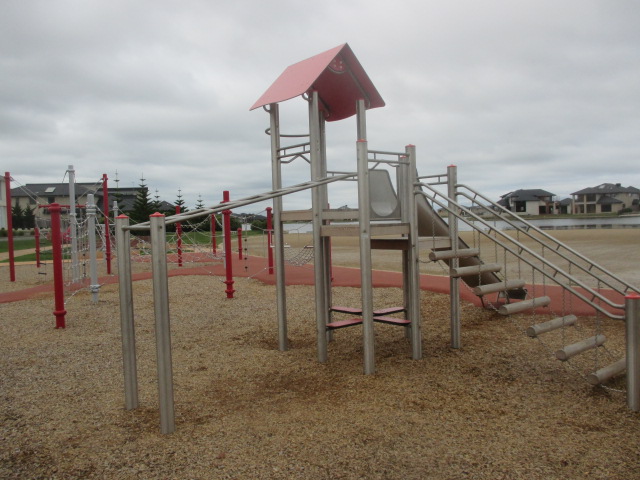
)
(33, 195)
(606, 198)
(530, 202)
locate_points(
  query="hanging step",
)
(344, 323)
(475, 270)
(347, 310)
(388, 311)
(608, 372)
(574, 349)
(517, 307)
(401, 322)
(449, 254)
(481, 290)
(534, 330)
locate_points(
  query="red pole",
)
(107, 236)
(240, 243)
(270, 239)
(226, 215)
(37, 235)
(12, 262)
(214, 243)
(179, 235)
(56, 244)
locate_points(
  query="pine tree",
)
(17, 217)
(199, 203)
(156, 203)
(142, 206)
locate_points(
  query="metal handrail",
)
(181, 217)
(522, 247)
(557, 243)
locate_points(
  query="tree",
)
(199, 203)
(17, 217)
(180, 202)
(29, 217)
(142, 205)
(156, 203)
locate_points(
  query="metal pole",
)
(632, 317)
(73, 229)
(127, 327)
(277, 235)
(364, 205)
(179, 237)
(93, 264)
(163, 330)
(269, 239)
(212, 224)
(12, 263)
(239, 243)
(37, 239)
(454, 282)
(317, 205)
(228, 265)
(107, 235)
(58, 280)
(413, 254)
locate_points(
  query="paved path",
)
(255, 267)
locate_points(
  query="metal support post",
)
(179, 237)
(414, 260)
(107, 230)
(228, 263)
(278, 238)
(632, 318)
(73, 226)
(454, 282)
(163, 330)
(368, 336)
(127, 328)
(93, 263)
(58, 280)
(269, 239)
(12, 263)
(239, 243)
(317, 205)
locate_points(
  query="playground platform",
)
(256, 267)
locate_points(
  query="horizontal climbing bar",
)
(475, 269)
(574, 349)
(481, 290)
(608, 372)
(517, 307)
(534, 330)
(449, 254)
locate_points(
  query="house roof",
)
(531, 195)
(336, 75)
(607, 188)
(605, 200)
(44, 190)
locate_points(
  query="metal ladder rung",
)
(574, 349)
(511, 308)
(475, 269)
(534, 330)
(449, 254)
(481, 290)
(608, 372)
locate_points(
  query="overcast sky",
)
(518, 94)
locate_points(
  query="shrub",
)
(3, 232)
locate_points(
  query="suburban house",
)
(3, 204)
(529, 202)
(34, 194)
(606, 198)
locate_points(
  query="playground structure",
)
(397, 217)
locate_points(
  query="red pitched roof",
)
(336, 75)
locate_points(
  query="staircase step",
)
(517, 307)
(348, 310)
(574, 349)
(449, 254)
(605, 373)
(534, 330)
(481, 290)
(388, 311)
(344, 323)
(402, 322)
(475, 269)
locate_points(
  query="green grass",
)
(23, 244)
